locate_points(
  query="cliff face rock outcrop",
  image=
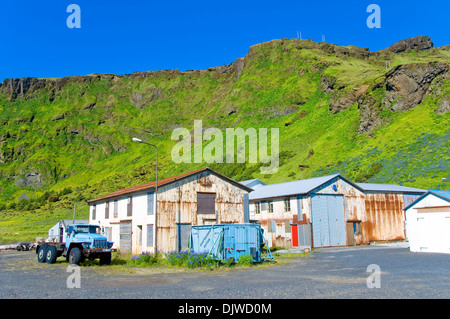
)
(419, 43)
(407, 85)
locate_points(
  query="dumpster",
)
(225, 241)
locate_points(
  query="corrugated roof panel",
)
(249, 181)
(290, 188)
(371, 187)
(445, 194)
(162, 182)
(253, 183)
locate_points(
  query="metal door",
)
(328, 224)
(125, 235)
(294, 236)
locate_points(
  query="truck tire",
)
(42, 253)
(105, 259)
(75, 256)
(51, 256)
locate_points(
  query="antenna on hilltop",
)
(388, 64)
(299, 35)
(323, 37)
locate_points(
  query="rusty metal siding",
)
(377, 215)
(384, 219)
(177, 204)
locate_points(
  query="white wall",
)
(139, 218)
(428, 231)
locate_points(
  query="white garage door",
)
(433, 232)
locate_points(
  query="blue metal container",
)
(225, 241)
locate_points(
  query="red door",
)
(294, 236)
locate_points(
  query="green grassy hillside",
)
(338, 109)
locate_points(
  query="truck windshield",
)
(88, 229)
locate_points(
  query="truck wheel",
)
(105, 259)
(42, 253)
(75, 256)
(50, 256)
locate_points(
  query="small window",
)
(270, 206)
(257, 208)
(287, 204)
(94, 210)
(107, 210)
(206, 203)
(150, 204)
(129, 206)
(139, 227)
(116, 209)
(149, 235)
(357, 228)
(264, 205)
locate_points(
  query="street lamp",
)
(156, 186)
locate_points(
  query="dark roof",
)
(372, 187)
(165, 181)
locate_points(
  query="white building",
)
(428, 222)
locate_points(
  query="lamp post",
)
(156, 187)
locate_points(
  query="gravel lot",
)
(325, 273)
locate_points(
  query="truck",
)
(81, 241)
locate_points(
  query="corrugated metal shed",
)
(366, 211)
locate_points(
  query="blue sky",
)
(123, 37)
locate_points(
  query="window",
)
(88, 229)
(287, 204)
(129, 206)
(108, 233)
(264, 205)
(107, 210)
(257, 208)
(150, 199)
(139, 235)
(206, 203)
(299, 208)
(149, 235)
(270, 206)
(94, 209)
(357, 228)
(116, 209)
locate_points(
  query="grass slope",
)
(78, 136)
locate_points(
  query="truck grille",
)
(100, 243)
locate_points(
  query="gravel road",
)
(325, 273)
